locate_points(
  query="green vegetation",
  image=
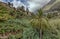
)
(15, 24)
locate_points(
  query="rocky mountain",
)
(53, 5)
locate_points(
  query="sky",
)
(32, 5)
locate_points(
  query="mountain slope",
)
(51, 5)
(7, 12)
(10, 21)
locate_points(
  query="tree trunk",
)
(41, 36)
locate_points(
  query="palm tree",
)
(40, 23)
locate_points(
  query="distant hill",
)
(52, 6)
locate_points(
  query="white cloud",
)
(16, 3)
(33, 4)
(0, 0)
(37, 4)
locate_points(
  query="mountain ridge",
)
(51, 5)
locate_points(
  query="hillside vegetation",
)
(18, 24)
